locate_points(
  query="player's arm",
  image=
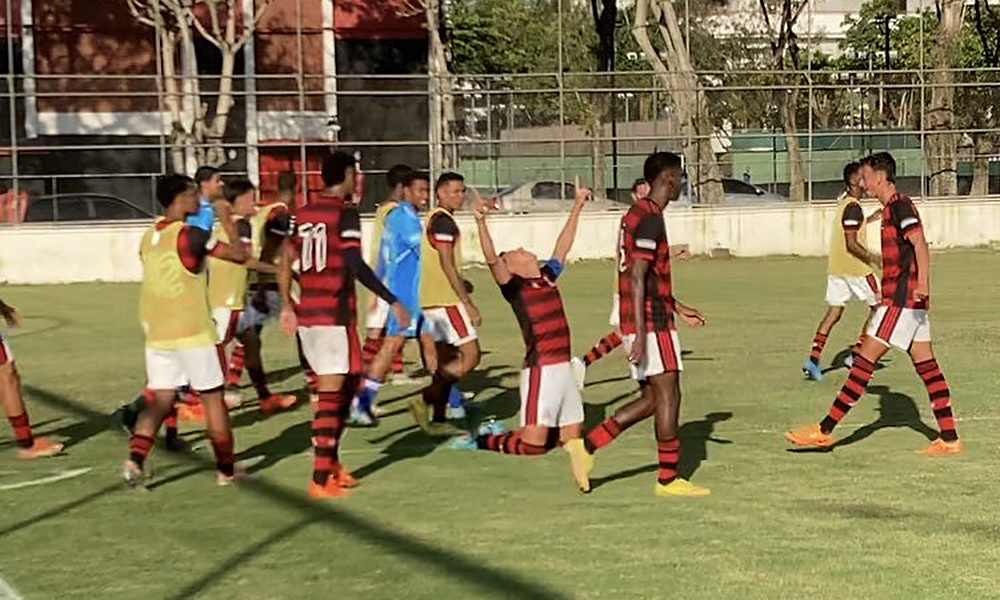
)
(443, 233)
(224, 213)
(286, 257)
(350, 236)
(852, 220)
(197, 243)
(640, 266)
(875, 217)
(568, 233)
(499, 270)
(908, 222)
(9, 314)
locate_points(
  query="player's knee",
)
(470, 355)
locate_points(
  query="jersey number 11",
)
(313, 254)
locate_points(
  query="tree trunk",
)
(215, 155)
(787, 100)
(681, 82)
(597, 154)
(942, 147)
(442, 103)
(982, 148)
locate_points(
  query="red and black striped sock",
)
(668, 452)
(139, 447)
(370, 348)
(602, 435)
(940, 396)
(603, 347)
(819, 341)
(510, 443)
(236, 362)
(327, 427)
(22, 430)
(397, 361)
(222, 445)
(854, 388)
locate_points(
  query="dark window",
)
(545, 190)
(732, 186)
(73, 209)
(40, 211)
(107, 210)
(569, 191)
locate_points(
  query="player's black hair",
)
(205, 173)
(849, 171)
(236, 188)
(447, 178)
(335, 167)
(659, 162)
(397, 175)
(882, 161)
(286, 182)
(637, 183)
(415, 176)
(169, 187)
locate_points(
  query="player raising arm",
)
(327, 247)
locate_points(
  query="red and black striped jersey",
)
(324, 229)
(539, 311)
(900, 221)
(643, 235)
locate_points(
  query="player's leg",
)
(28, 445)
(312, 380)
(269, 402)
(811, 368)
(922, 354)
(666, 389)
(449, 326)
(465, 357)
(362, 406)
(220, 433)
(373, 344)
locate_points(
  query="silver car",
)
(546, 196)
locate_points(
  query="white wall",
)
(50, 254)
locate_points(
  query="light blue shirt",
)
(400, 256)
(205, 217)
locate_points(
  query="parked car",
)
(737, 193)
(64, 208)
(546, 196)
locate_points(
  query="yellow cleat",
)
(810, 435)
(418, 408)
(581, 462)
(940, 446)
(681, 487)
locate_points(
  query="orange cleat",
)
(344, 478)
(940, 446)
(277, 403)
(810, 435)
(41, 448)
(325, 492)
(194, 413)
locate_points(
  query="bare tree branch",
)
(143, 16)
(248, 28)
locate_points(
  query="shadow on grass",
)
(694, 435)
(92, 424)
(447, 564)
(840, 361)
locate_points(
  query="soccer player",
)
(400, 261)
(648, 310)
(607, 344)
(901, 320)
(327, 247)
(269, 228)
(177, 321)
(449, 315)
(849, 268)
(28, 446)
(211, 202)
(551, 407)
(378, 311)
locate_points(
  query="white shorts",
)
(900, 327)
(6, 354)
(331, 349)
(549, 396)
(200, 367)
(615, 318)
(378, 315)
(254, 317)
(663, 354)
(448, 324)
(840, 289)
(226, 322)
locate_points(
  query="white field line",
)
(7, 592)
(42, 481)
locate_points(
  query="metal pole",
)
(809, 137)
(923, 113)
(562, 107)
(300, 80)
(158, 47)
(12, 97)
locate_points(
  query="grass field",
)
(869, 520)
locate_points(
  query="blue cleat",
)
(463, 442)
(812, 371)
(491, 427)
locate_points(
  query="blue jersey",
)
(400, 256)
(205, 217)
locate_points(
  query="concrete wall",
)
(48, 254)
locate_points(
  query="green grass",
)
(870, 520)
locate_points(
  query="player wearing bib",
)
(449, 316)
(849, 268)
(327, 248)
(607, 344)
(551, 407)
(901, 320)
(647, 314)
(177, 322)
(399, 258)
(28, 446)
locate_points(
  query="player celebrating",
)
(449, 316)
(551, 407)
(400, 261)
(177, 321)
(900, 321)
(849, 268)
(327, 248)
(647, 308)
(613, 339)
(28, 446)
